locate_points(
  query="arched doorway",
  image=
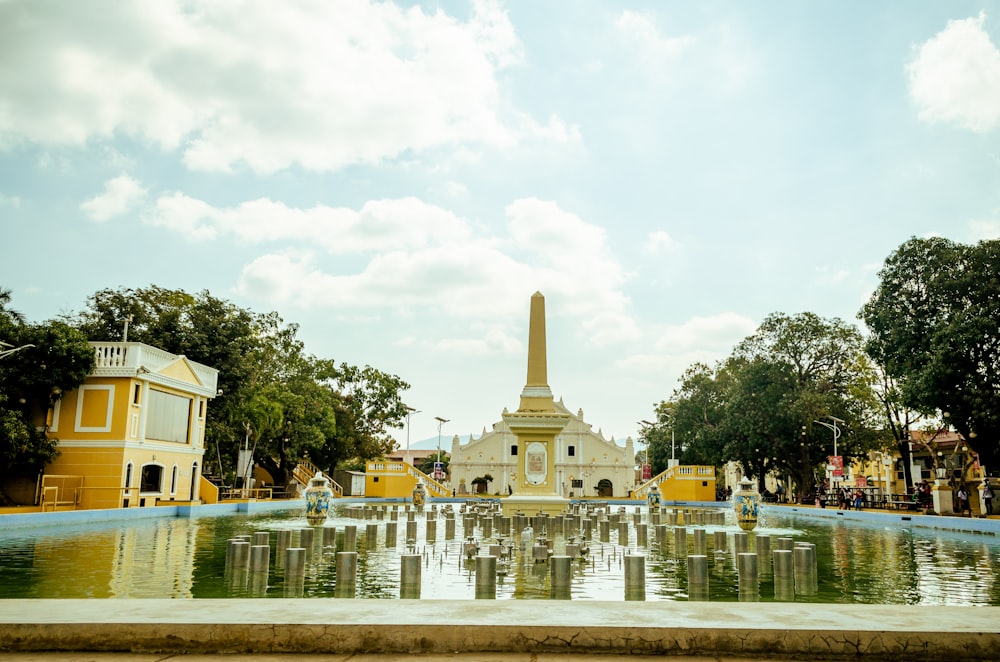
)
(605, 488)
(194, 482)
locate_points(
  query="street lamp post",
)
(409, 411)
(11, 349)
(836, 435)
(441, 421)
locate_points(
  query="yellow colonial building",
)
(133, 434)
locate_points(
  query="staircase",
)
(434, 488)
(304, 472)
(676, 473)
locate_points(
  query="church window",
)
(571, 450)
(513, 449)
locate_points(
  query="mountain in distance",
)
(431, 443)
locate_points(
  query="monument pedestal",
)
(942, 495)
(531, 505)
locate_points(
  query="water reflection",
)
(186, 558)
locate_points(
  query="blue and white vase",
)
(318, 496)
(653, 499)
(746, 502)
(419, 494)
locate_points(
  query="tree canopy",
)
(934, 327)
(274, 398)
(758, 407)
(39, 363)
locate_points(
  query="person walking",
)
(987, 498)
(963, 500)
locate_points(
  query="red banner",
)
(836, 465)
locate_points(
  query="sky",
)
(398, 178)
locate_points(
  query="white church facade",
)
(586, 464)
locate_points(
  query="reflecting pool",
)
(858, 562)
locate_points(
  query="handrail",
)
(687, 471)
(434, 488)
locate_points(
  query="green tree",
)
(240, 344)
(427, 464)
(273, 397)
(933, 322)
(758, 407)
(799, 369)
(55, 359)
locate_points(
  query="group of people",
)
(922, 494)
(848, 498)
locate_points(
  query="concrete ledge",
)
(335, 626)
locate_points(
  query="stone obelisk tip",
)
(536, 395)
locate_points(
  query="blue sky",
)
(398, 179)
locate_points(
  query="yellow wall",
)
(95, 395)
(689, 483)
(383, 481)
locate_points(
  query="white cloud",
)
(955, 76)
(421, 256)
(830, 276)
(716, 333)
(121, 195)
(305, 83)
(9, 201)
(985, 230)
(575, 260)
(643, 35)
(658, 242)
(494, 342)
(380, 225)
(699, 339)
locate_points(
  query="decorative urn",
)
(419, 494)
(653, 499)
(745, 503)
(318, 495)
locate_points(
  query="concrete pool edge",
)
(342, 626)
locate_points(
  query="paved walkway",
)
(291, 657)
(494, 630)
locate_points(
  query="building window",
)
(513, 449)
(173, 480)
(151, 478)
(375, 479)
(168, 417)
(572, 451)
(137, 394)
(577, 482)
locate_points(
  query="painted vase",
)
(419, 494)
(318, 496)
(653, 499)
(745, 502)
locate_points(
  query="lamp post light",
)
(409, 412)
(646, 425)
(441, 421)
(11, 349)
(836, 436)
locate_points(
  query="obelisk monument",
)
(536, 423)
